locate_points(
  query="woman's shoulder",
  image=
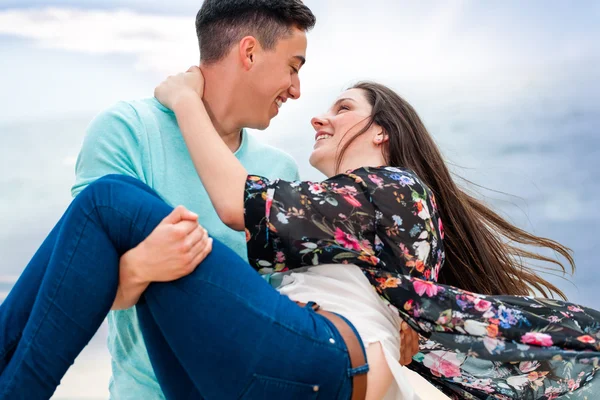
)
(386, 177)
(392, 187)
(385, 170)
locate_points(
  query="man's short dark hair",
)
(222, 23)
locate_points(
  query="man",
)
(251, 53)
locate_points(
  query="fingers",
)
(195, 237)
(185, 229)
(413, 345)
(203, 252)
(403, 347)
(405, 352)
(200, 245)
(178, 214)
(188, 215)
(416, 341)
(173, 217)
(406, 346)
(409, 344)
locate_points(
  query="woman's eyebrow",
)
(341, 100)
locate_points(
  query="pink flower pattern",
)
(339, 221)
(346, 240)
(539, 339)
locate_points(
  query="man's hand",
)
(409, 344)
(173, 250)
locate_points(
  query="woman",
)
(247, 340)
(370, 125)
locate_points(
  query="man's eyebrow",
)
(301, 59)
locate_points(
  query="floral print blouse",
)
(385, 221)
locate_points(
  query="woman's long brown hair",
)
(484, 252)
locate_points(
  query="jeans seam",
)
(245, 388)
(10, 383)
(343, 379)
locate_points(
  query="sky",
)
(87, 54)
(509, 89)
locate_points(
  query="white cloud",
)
(437, 42)
(397, 41)
(161, 43)
(410, 40)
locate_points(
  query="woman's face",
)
(348, 115)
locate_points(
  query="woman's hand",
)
(221, 173)
(180, 87)
(173, 250)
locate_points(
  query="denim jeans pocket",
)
(267, 388)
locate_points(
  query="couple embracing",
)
(228, 277)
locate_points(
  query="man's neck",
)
(219, 102)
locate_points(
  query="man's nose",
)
(294, 90)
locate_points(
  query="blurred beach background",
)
(510, 90)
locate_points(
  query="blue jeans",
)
(220, 333)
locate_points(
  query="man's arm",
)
(113, 144)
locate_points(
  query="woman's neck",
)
(375, 159)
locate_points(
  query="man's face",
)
(274, 79)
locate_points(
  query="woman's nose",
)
(318, 123)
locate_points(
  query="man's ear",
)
(247, 50)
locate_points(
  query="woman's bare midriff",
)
(379, 377)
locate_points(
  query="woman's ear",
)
(381, 138)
